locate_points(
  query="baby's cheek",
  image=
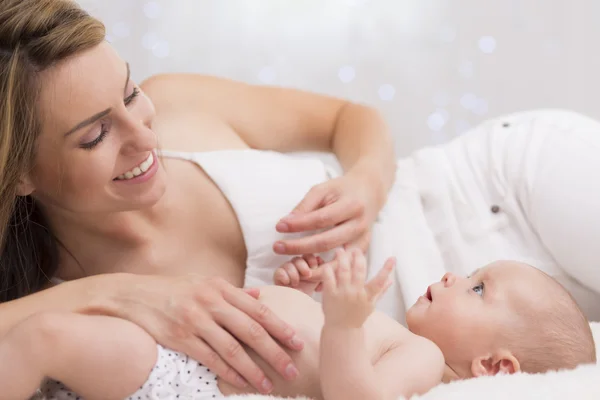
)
(450, 321)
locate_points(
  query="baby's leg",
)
(98, 357)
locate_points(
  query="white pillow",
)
(596, 332)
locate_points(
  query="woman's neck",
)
(87, 240)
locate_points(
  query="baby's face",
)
(464, 316)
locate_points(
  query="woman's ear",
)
(25, 186)
(502, 362)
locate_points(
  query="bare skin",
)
(178, 230)
(351, 352)
(193, 223)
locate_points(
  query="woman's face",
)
(96, 151)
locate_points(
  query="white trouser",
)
(525, 186)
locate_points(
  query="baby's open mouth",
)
(428, 294)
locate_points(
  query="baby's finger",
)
(281, 278)
(387, 285)
(329, 281)
(316, 275)
(359, 268)
(292, 273)
(376, 286)
(311, 260)
(302, 267)
(319, 287)
(343, 272)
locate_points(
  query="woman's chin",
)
(145, 200)
(153, 198)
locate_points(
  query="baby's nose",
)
(448, 279)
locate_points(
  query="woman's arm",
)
(87, 295)
(205, 318)
(79, 351)
(286, 120)
(283, 119)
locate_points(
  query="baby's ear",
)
(503, 362)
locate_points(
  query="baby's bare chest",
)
(305, 316)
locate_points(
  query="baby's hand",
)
(299, 273)
(347, 300)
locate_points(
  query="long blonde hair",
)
(34, 36)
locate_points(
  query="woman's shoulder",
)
(186, 119)
(177, 91)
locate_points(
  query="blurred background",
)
(433, 67)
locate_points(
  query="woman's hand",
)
(209, 319)
(345, 207)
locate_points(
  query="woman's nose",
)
(139, 137)
(448, 279)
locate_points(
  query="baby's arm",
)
(410, 368)
(347, 371)
(98, 357)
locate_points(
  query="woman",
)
(165, 246)
(83, 193)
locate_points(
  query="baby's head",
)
(504, 318)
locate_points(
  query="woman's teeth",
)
(140, 169)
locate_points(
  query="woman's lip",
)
(135, 166)
(147, 175)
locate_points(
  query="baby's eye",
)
(478, 289)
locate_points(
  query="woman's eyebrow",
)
(96, 117)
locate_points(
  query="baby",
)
(506, 317)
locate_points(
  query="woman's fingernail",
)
(241, 381)
(291, 372)
(279, 247)
(267, 385)
(282, 227)
(295, 342)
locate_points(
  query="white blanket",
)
(582, 383)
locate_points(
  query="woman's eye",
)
(129, 99)
(97, 140)
(478, 289)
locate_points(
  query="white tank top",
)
(262, 187)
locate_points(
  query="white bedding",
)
(582, 383)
